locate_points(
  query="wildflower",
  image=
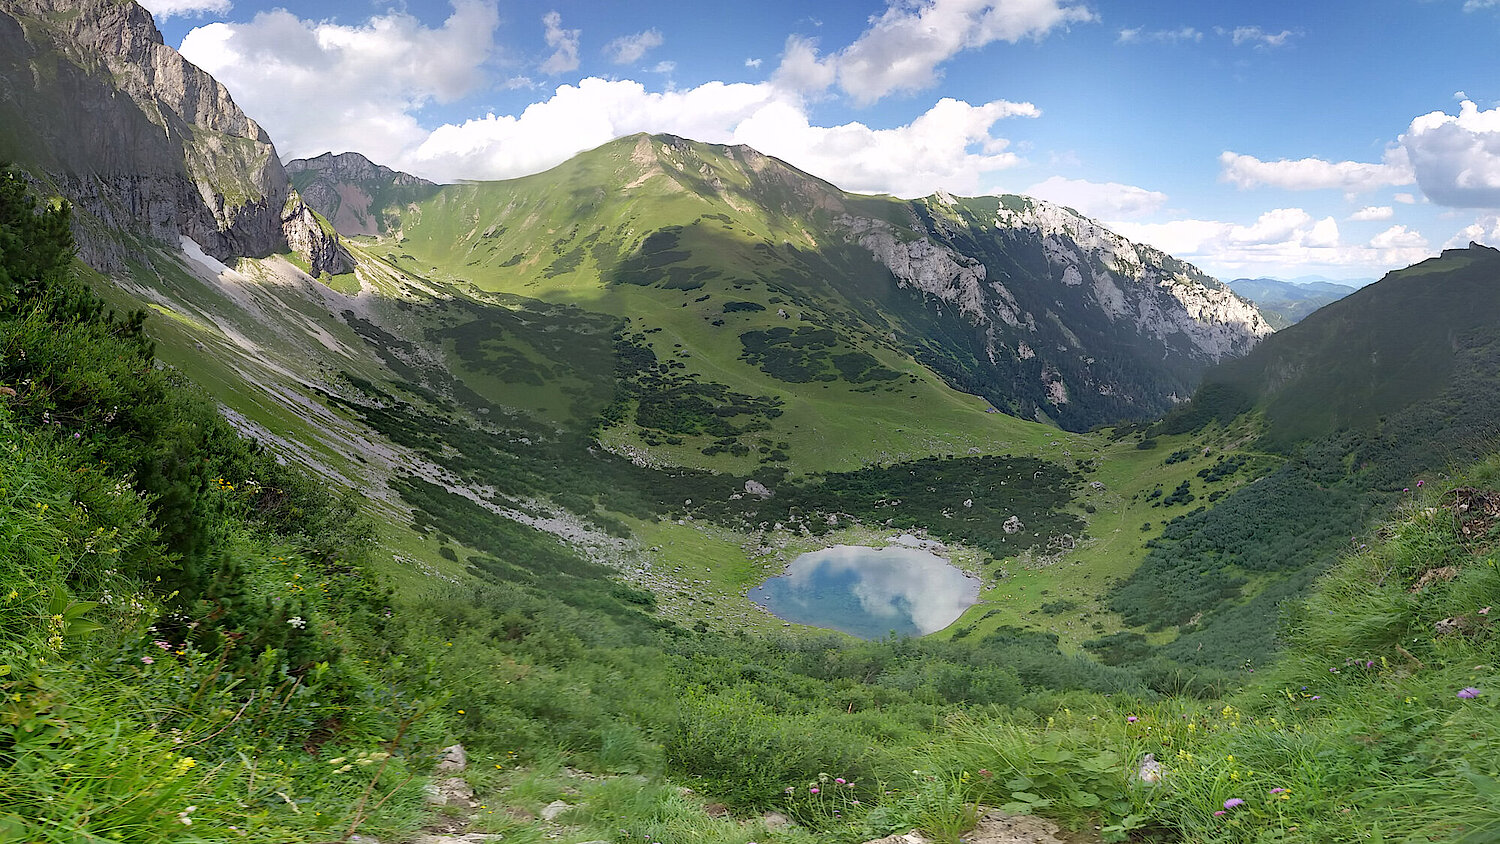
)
(1131, 720)
(183, 818)
(1484, 611)
(164, 645)
(1220, 813)
(812, 790)
(1278, 791)
(297, 621)
(1419, 483)
(1469, 692)
(148, 660)
(840, 780)
(985, 772)
(1233, 802)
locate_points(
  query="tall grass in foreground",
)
(1380, 722)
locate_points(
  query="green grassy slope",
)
(1389, 346)
(1368, 398)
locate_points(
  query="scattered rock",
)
(452, 760)
(757, 489)
(453, 791)
(466, 838)
(1450, 626)
(1013, 525)
(993, 828)
(775, 820)
(1150, 770)
(552, 810)
(1444, 574)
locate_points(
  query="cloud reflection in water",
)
(869, 592)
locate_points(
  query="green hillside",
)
(1405, 340)
(1367, 399)
(196, 650)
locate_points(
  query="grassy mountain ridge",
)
(988, 293)
(1388, 346)
(1387, 389)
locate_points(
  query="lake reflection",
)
(869, 592)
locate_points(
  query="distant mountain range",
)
(1287, 302)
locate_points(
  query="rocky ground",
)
(462, 816)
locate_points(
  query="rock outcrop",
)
(1062, 318)
(141, 141)
(354, 193)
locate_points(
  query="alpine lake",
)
(902, 589)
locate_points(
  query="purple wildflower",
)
(1469, 692)
(1233, 802)
(812, 791)
(1278, 791)
(1132, 719)
(1219, 813)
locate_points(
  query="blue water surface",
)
(870, 592)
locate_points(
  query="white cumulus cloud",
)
(563, 41)
(1105, 201)
(1247, 171)
(1398, 237)
(1284, 242)
(1373, 212)
(1457, 158)
(950, 146)
(1485, 230)
(182, 8)
(319, 86)
(629, 49)
(902, 49)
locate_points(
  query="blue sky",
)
(1336, 138)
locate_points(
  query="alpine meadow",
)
(632, 488)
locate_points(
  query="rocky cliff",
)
(358, 196)
(143, 142)
(1064, 319)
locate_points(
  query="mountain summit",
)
(1042, 311)
(353, 193)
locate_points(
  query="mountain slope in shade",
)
(143, 143)
(356, 195)
(1030, 305)
(1284, 302)
(1418, 334)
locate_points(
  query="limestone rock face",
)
(1065, 320)
(141, 140)
(353, 192)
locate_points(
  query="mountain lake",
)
(870, 592)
